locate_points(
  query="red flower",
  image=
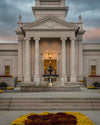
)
(52, 119)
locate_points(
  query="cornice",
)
(8, 43)
(91, 50)
(58, 30)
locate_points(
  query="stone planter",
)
(91, 80)
(9, 80)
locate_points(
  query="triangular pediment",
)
(49, 22)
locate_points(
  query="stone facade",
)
(49, 32)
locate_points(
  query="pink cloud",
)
(92, 35)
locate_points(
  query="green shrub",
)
(96, 84)
(3, 84)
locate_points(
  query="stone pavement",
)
(7, 116)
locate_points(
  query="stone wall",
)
(91, 56)
(9, 80)
(9, 57)
(91, 80)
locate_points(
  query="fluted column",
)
(37, 68)
(27, 77)
(64, 76)
(20, 59)
(80, 60)
(72, 61)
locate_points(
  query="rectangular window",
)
(93, 70)
(7, 70)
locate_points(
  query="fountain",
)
(50, 69)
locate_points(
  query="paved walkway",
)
(7, 116)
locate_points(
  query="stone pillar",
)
(37, 68)
(64, 76)
(20, 59)
(27, 77)
(80, 60)
(72, 61)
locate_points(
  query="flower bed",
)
(46, 118)
(1, 91)
(9, 88)
(91, 87)
(6, 76)
(93, 76)
(18, 80)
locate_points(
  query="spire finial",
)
(80, 18)
(20, 17)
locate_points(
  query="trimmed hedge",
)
(96, 84)
(3, 85)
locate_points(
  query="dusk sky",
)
(10, 10)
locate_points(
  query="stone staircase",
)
(49, 104)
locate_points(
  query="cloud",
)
(10, 10)
(92, 35)
(89, 9)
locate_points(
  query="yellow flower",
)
(44, 113)
(9, 88)
(81, 80)
(18, 80)
(1, 91)
(91, 87)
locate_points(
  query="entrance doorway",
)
(53, 64)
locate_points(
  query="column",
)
(20, 59)
(27, 77)
(72, 61)
(37, 68)
(64, 76)
(80, 60)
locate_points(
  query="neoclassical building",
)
(71, 59)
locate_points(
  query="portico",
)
(63, 60)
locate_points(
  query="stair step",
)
(45, 104)
(49, 109)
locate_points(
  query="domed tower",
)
(50, 7)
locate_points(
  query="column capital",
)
(63, 38)
(80, 39)
(20, 39)
(72, 38)
(36, 38)
(27, 38)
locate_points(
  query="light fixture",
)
(50, 54)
